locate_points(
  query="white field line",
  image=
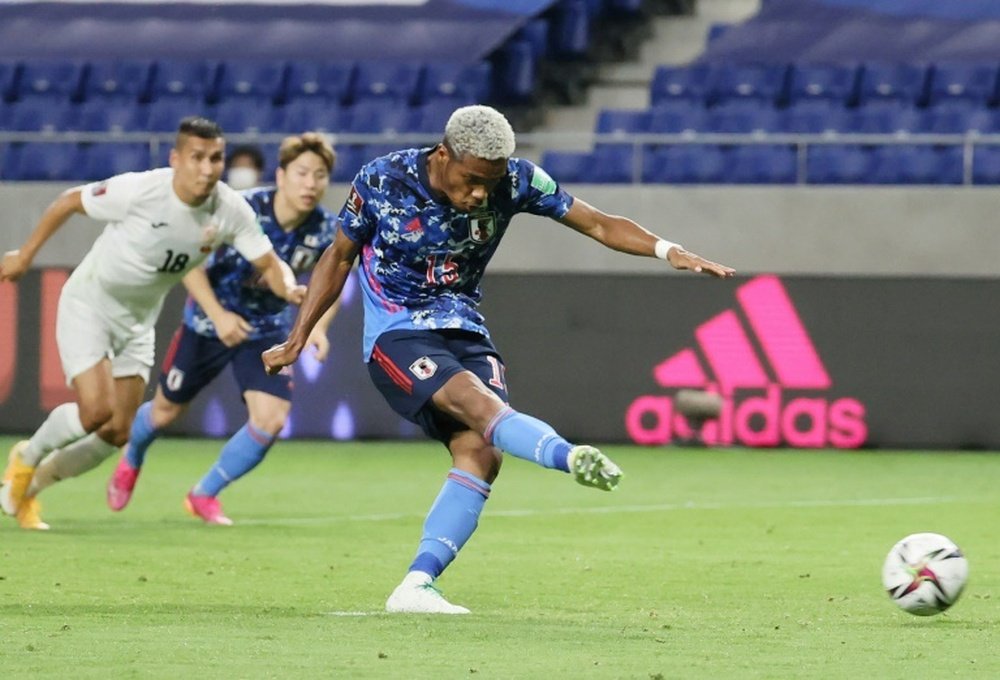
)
(616, 509)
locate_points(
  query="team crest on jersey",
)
(311, 240)
(423, 368)
(303, 259)
(208, 234)
(99, 189)
(482, 226)
(354, 202)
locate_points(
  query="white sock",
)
(62, 427)
(70, 461)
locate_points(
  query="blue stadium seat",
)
(118, 78)
(392, 81)
(622, 122)
(332, 80)
(536, 34)
(374, 116)
(911, 164)
(514, 73)
(884, 117)
(9, 71)
(248, 114)
(958, 116)
(684, 164)
(112, 115)
(901, 82)
(350, 158)
(5, 154)
(164, 114)
(44, 162)
(986, 164)
(179, 78)
(838, 164)
(50, 77)
(313, 114)
(255, 79)
(761, 164)
(566, 167)
(52, 113)
(836, 82)
(765, 82)
(6, 109)
(814, 116)
(679, 82)
(611, 164)
(742, 116)
(975, 82)
(676, 117)
(446, 80)
(101, 161)
(716, 31)
(432, 116)
(570, 36)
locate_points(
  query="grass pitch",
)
(735, 564)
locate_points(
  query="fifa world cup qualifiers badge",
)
(208, 234)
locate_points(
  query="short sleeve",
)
(109, 200)
(355, 217)
(249, 239)
(539, 194)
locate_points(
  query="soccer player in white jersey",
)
(161, 224)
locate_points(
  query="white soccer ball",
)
(925, 573)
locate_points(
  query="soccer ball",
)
(924, 573)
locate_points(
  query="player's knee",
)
(271, 423)
(115, 432)
(94, 414)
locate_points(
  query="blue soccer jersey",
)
(422, 260)
(239, 286)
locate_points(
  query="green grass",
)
(721, 564)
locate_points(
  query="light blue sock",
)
(143, 434)
(451, 521)
(525, 437)
(241, 454)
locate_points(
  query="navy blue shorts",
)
(194, 360)
(408, 367)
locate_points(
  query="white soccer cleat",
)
(417, 595)
(593, 468)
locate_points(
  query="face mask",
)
(242, 178)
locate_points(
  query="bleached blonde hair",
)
(479, 131)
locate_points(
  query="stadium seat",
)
(101, 161)
(677, 117)
(884, 117)
(838, 164)
(536, 34)
(761, 164)
(813, 116)
(901, 82)
(9, 71)
(974, 82)
(679, 82)
(165, 113)
(835, 82)
(766, 82)
(52, 113)
(446, 80)
(45, 162)
(329, 80)
(188, 79)
(50, 77)
(514, 73)
(716, 31)
(911, 164)
(570, 35)
(350, 158)
(611, 164)
(742, 116)
(118, 78)
(386, 81)
(622, 122)
(958, 116)
(374, 116)
(112, 115)
(566, 167)
(986, 164)
(432, 116)
(248, 114)
(313, 113)
(254, 79)
(684, 164)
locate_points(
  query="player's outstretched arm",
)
(231, 328)
(279, 278)
(325, 286)
(626, 236)
(16, 262)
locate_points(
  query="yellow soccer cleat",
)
(16, 479)
(29, 515)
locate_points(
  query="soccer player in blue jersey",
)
(425, 223)
(229, 320)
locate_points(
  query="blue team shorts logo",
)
(482, 226)
(423, 368)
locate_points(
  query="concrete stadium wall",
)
(893, 231)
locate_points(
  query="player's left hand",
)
(278, 357)
(682, 259)
(296, 294)
(13, 265)
(319, 340)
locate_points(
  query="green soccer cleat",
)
(593, 468)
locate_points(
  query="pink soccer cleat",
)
(208, 508)
(121, 485)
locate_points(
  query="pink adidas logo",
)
(760, 408)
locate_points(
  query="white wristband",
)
(663, 248)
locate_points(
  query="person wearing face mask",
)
(230, 319)
(245, 167)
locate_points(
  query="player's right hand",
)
(231, 328)
(296, 294)
(13, 265)
(278, 357)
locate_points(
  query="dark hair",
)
(296, 145)
(250, 151)
(197, 126)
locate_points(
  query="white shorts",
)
(85, 335)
